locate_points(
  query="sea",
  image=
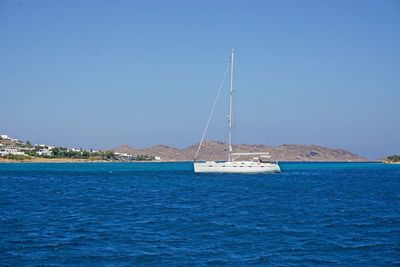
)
(162, 214)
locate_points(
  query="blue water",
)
(126, 214)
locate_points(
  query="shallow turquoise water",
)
(125, 214)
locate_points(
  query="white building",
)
(40, 145)
(10, 150)
(44, 152)
(44, 146)
(123, 155)
(4, 136)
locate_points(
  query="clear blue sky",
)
(103, 73)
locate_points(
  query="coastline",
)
(47, 160)
(71, 160)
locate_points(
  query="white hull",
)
(235, 167)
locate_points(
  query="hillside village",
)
(14, 149)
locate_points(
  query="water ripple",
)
(163, 214)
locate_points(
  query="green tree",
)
(109, 155)
(85, 154)
(31, 153)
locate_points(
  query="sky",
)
(98, 74)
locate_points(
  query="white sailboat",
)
(260, 163)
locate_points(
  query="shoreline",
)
(69, 160)
(50, 161)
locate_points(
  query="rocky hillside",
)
(218, 151)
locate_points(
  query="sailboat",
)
(260, 162)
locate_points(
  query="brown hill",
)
(212, 150)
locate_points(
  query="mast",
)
(230, 111)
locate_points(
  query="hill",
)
(212, 150)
